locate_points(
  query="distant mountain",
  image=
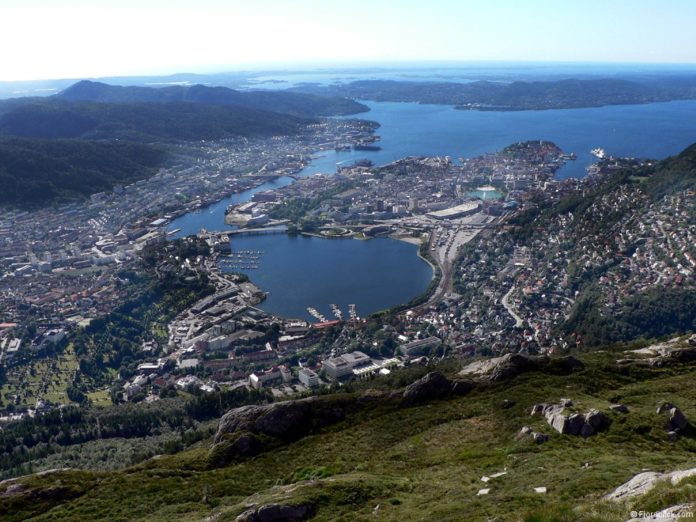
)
(35, 172)
(297, 104)
(53, 149)
(176, 121)
(519, 95)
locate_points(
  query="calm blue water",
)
(655, 130)
(408, 129)
(301, 272)
(310, 276)
(213, 217)
(453, 72)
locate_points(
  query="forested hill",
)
(178, 121)
(673, 174)
(53, 149)
(36, 172)
(519, 95)
(297, 104)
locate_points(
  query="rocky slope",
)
(441, 446)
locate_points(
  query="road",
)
(446, 239)
(505, 301)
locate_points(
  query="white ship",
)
(600, 153)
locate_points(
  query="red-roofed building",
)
(326, 324)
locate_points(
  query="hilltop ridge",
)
(488, 95)
(297, 104)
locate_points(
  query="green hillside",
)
(36, 171)
(386, 461)
(53, 150)
(174, 121)
(516, 95)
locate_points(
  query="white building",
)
(465, 209)
(258, 380)
(308, 377)
(12, 348)
(337, 367)
(365, 372)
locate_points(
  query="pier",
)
(337, 312)
(314, 313)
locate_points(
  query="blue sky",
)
(80, 38)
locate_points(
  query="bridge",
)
(257, 231)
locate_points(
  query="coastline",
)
(419, 243)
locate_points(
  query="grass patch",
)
(428, 461)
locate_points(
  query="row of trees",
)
(34, 438)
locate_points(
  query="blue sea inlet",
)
(377, 274)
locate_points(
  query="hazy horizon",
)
(80, 39)
(594, 68)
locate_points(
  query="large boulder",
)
(249, 430)
(566, 424)
(287, 420)
(513, 364)
(638, 485)
(574, 424)
(677, 420)
(499, 368)
(646, 481)
(277, 513)
(668, 353)
(559, 422)
(675, 356)
(433, 386)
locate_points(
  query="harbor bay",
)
(301, 272)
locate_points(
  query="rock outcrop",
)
(676, 423)
(674, 351)
(646, 481)
(277, 513)
(433, 386)
(249, 430)
(574, 424)
(286, 420)
(536, 436)
(512, 364)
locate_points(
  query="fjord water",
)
(301, 272)
(390, 273)
(653, 130)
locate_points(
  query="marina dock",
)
(241, 260)
(337, 312)
(314, 313)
